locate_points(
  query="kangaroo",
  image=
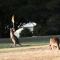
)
(54, 42)
(13, 37)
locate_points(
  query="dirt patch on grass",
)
(30, 53)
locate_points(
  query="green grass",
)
(24, 44)
(4, 45)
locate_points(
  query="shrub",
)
(26, 33)
(40, 31)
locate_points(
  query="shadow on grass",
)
(25, 45)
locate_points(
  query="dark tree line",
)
(46, 13)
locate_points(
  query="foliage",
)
(40, 31)
(26, 33)
(39, 11)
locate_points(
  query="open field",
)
(29, 53)
(32, 49)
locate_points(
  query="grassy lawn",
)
(33, 49)
(6, 47)
(24, 44)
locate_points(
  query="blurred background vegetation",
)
(26, 33)
(46, 13)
